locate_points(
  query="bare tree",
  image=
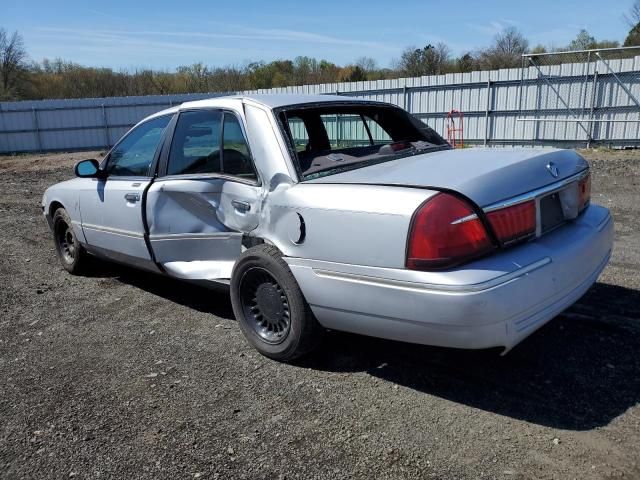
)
(633, 17)
(13, 58)
(511, 42)
(366, 64)
(506, 51)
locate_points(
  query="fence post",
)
(486, 113)
(36, 129)
(592, 108)
(586, 79)
(106, 126)
(520, 93)
(405, 99)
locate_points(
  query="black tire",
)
(72, 255)
(269, 306)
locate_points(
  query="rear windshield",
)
(332, 138)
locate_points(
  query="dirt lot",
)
(128, 375)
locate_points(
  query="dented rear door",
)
(205, 198)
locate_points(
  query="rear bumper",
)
(493, 302)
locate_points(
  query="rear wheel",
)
(72, 255)
(269, 306)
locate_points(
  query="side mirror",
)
(87, 169)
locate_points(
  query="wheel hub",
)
(66, 242)
(269, 301)
(265, 305)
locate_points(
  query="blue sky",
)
(165, 34)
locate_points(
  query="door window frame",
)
(156, 156)
(163, 161)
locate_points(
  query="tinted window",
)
(236, 159)
(134, 154)
(196, 145)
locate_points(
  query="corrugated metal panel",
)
(513, 93)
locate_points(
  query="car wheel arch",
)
(53, 206)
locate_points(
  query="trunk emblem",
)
(553, 170)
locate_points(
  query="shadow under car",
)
(578, 372)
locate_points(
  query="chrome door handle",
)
(132, 197)
(241, 206)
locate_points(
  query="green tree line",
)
(24, 79)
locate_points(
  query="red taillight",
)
(584, 191)
(445, 232)
(514, 223)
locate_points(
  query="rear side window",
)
(209, 141)
(236, 159)
(196, 143)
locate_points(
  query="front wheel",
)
(269, 306)
(72, 255)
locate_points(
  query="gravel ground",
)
(123, 374)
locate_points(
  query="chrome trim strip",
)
(525, 197)
(209, 176)
(194, 236)
(535, 194)
(391, 283)
(468, 218)
(115, 231)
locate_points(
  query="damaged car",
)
(327, 212)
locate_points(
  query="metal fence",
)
(569, 99)
(587, 95)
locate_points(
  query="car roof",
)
(271, 101)
(275, 100)
(278, 100)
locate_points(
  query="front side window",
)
(209, 141)
(333, 138)
(134, 154)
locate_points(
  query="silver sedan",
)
(327, 212)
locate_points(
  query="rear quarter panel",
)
(354, 224)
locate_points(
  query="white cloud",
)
(489, 29)
(245, 34)
(219, 46)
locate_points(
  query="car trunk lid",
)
(484, 175)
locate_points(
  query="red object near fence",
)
(455, 128)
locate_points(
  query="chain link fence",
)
(588, 95)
